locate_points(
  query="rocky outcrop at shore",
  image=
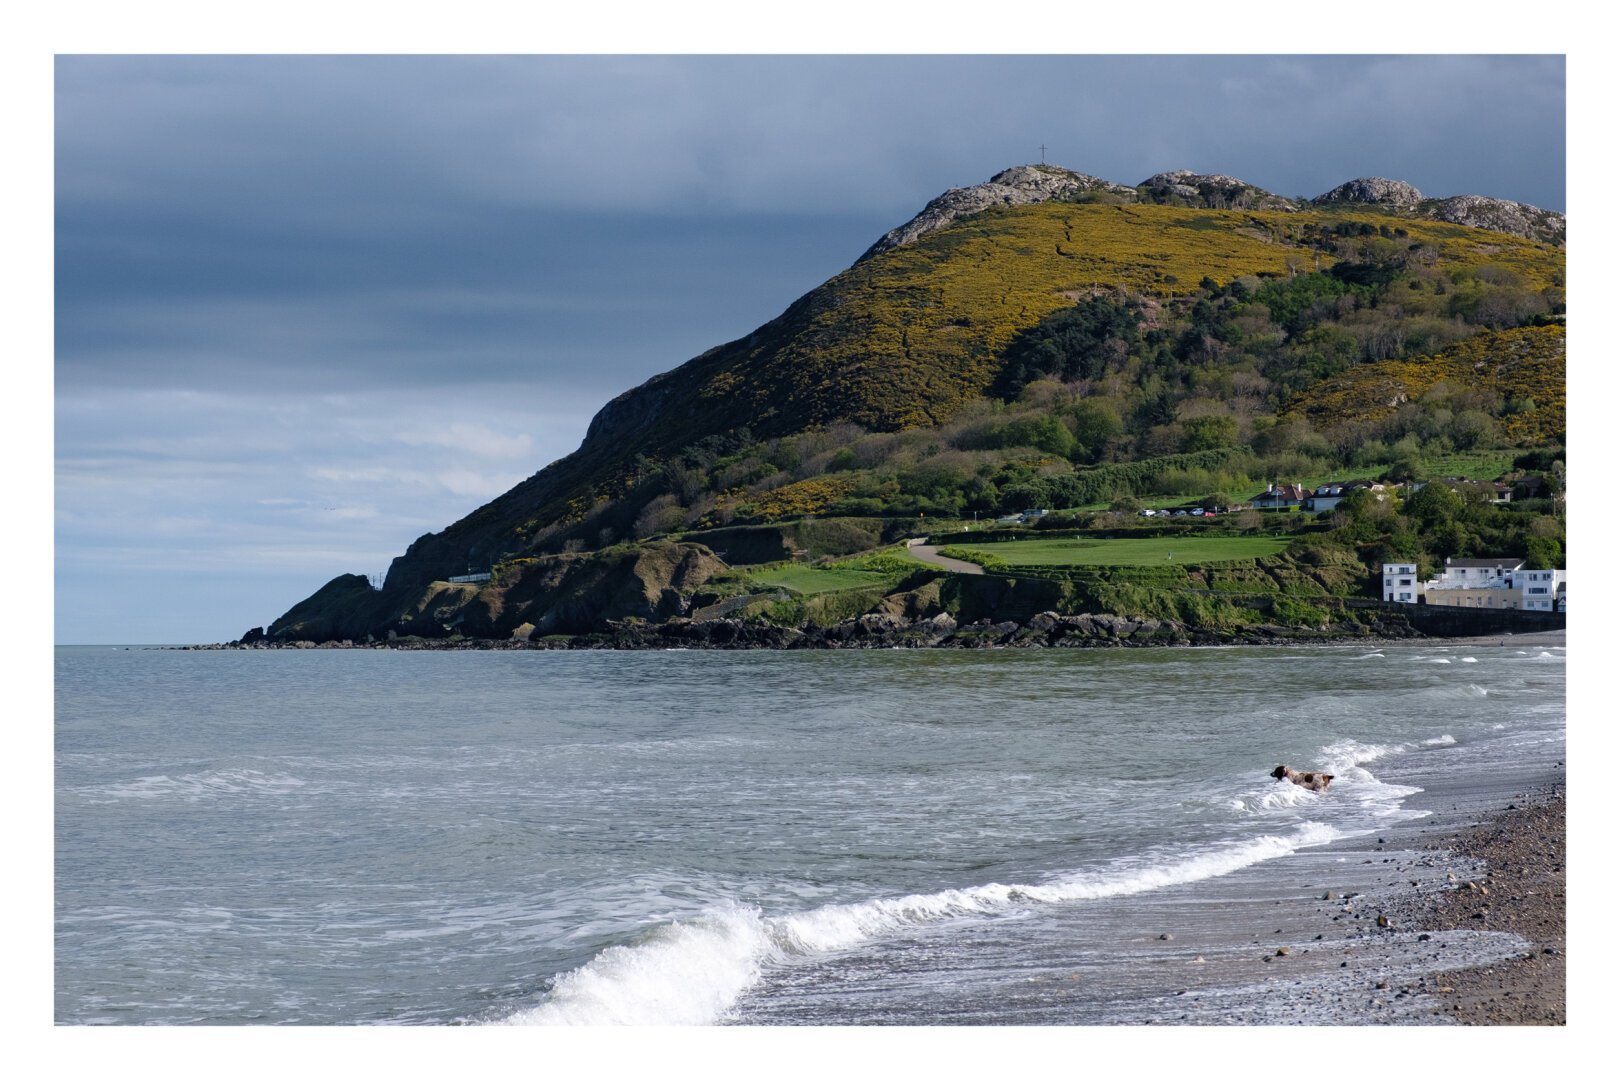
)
(886, 630)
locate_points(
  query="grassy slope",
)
(810, 580)
(1147, 551)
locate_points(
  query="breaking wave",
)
(692, 972)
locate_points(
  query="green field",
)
(1153, 551)
(809, 580)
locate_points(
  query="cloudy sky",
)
(309, 308)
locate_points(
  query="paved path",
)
(928, 553)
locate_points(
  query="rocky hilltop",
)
(1373, 190)
(1475, 211)
(1025, 184)
(1017, 186)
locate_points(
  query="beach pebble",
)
(1167, 937)
(1282, 950)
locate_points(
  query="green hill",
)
(1049, 336)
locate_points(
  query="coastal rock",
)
(1017, 186)
(1374, 190)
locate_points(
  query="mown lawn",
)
(1132, 552)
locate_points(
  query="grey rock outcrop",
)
(1374, 190)
(1474, 211)
(1212, 191)
(1017, 186)
(1498, 215)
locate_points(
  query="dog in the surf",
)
(1310, 781)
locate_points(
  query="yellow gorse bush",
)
(1525, 364)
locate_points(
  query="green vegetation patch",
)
(1146, 551)
(811, 580)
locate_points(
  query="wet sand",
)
(1518, 888)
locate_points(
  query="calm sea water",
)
(373, 837)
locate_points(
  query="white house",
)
(1543, 589)
(1279, 497)
(1477, 574)
(1478, 583)
(1401, 583)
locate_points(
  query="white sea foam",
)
(1440, 740)
(1346, 755)
(1344, 759)
(201, 785)
(1467, 660)
(691, 972)
(1370, 655)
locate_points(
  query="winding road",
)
(929, 553)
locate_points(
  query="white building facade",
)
(1401, 584)
(1543, 589)
(1478, 583)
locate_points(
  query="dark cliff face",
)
(558, 594)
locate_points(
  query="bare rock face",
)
(1017, 186)
(1211, 191)
(1375, 190)
(1498, 215)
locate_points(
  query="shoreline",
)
(994, 636)
(1519, 888)
(1440, 921)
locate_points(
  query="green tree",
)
(1432, 506)
(1208, 433)
(1096, 422)
(1543, 553)
(1041, 432)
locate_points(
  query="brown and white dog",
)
(1311, 781)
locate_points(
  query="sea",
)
(893, 837)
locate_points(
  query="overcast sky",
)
(309, 308)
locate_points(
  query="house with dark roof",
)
(1280, 497)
